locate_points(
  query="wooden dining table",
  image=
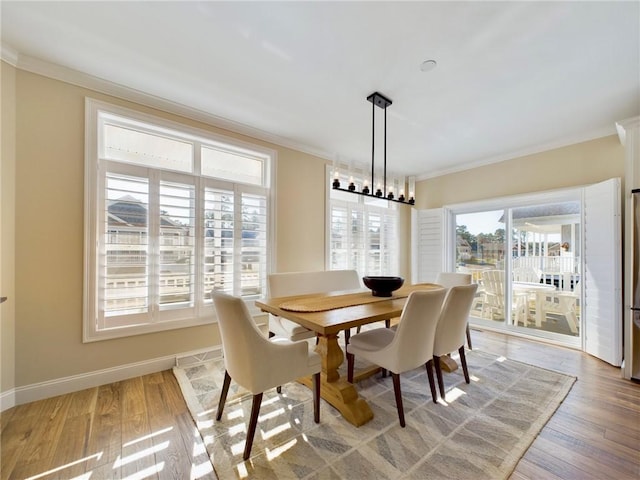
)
(328, 314)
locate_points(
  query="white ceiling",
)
(512, 77)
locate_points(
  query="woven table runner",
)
(327, 302)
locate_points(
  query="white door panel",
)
(602, 275)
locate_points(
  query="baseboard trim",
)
(7, 399)
(74, 383)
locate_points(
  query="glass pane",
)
(177, 245)
(546, 265)
(253, 261)
(373, 256)
(480, 251)
(218, 241)
(231, 165)
(339, 239)
(150, 150)
(126, 245)
(357, 241)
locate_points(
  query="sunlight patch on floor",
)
(276, 430)
(276, 452)
(147, 437)
(146, 472)
(96, 456)
(120, 461)
(201, 470)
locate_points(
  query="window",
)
(363, 234)
(172, 213)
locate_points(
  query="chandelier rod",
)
(376, 99)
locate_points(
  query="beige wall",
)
(579, 164)
(7, 225)
(49, 236)
(49, 183)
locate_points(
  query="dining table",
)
(540, 292)
(328, 314)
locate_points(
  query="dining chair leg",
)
(469, 338)
(253, 422)
(387, 323)
(398, 392)
(463, 361)
(347, 336)
(432, 383)
(316, 397)
(350, 365)
(223, 394)
(436, 363)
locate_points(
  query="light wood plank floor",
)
(140, 428)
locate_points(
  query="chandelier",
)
(377, 100)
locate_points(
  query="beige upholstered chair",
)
(406, 348)
(301, 283)
(450, 331)
(256, 363)
(448, 280)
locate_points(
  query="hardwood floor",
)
(140, 428)
(137, 429)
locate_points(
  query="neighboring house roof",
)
(532, 218)
(554, 210)
(128, 211)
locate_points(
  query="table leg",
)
(335, 390)
(541, 298)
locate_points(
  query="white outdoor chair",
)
(301, 283)
(493, 297)
(406, 348)
(448, 280)
(257, 363)
(450, 331)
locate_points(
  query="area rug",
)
(480, 430)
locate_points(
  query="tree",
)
(462, 232)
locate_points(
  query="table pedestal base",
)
(343, 396)
(448, 364)
(338, 392)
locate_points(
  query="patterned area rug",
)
(480, 431)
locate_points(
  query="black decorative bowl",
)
(383, 286)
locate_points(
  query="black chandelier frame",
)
(377, 100)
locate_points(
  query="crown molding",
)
(83, 80)
(9, 55)
(623, 126)
(564, 142)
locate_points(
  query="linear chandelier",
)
(377, 100)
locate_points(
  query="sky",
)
(481, 222)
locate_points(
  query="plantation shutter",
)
(602, 275)
(363, 237)
(427, 251)
(235, 238)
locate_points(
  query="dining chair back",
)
(451, 279)
(451, 328)
(302, 283)
(257, 363)
(405, 348)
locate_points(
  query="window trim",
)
(360, 202)
(94, 197)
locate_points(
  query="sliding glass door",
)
(529, 279)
